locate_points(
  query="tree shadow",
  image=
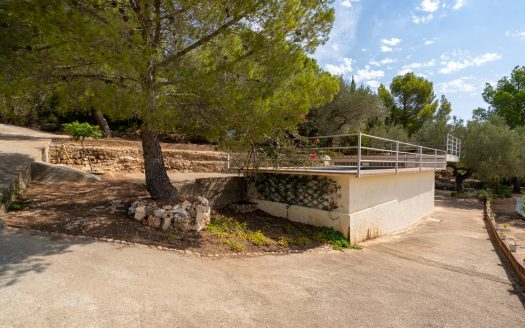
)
(23, 252)
(517, 289)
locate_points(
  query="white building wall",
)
(368, 206)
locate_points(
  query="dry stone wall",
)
(131, 160)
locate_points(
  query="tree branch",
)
(201, 41)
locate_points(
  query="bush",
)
(81, 131)
(500, 191)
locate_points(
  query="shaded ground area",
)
(443, 273)
(100, 210)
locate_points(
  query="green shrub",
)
(82, 131)
(258, 238)
(500, 191)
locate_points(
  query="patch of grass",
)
(285, 241)
(171, 238)
(17, 206)
(258, 238)
(290, 229)
(333, 237)
(234, 245)
(303, 241)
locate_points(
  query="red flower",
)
(313, 156)
(316, 141)
(303, 118)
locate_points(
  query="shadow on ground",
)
(517, 289)
(22, 252)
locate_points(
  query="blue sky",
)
(459, 45)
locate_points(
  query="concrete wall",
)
(369, 206)
(387, 203)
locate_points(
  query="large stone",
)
(180, 212)
(154, 221)
(161, 213)
(185, 205)
(140, 213)
(166, 223)
(202, 217)
(203, 201)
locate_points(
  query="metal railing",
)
(355, 153)
(453, 146)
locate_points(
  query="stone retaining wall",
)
(131, 159)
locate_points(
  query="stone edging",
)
(516, 263)
(320, 249)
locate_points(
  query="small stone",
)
(166, 223)
(131, 211)
(140, 213)
(154, 221)
(166, 207)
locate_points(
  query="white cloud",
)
(391, 42)
(342, 68)
(516, 34)
(457, 65)
(429, 6)
(422, 19)
(385, 61)
(457, 86)
(366, 74)
(388, 44)
(459, 4)
(348, 3)
(412, 66)
(429, 41)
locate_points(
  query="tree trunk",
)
(157, 181)
(516, 185)
(103, 123)
(459, 183)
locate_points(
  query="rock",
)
(180, 212)
(185, 205)
(149, 210)
(154, 221)
(202, 217)
(140, 213)
(135, 203)
(167, 207)
(166, 223)
(203, 201)
(161, 213)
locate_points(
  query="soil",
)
(100, 210)
(514, 228)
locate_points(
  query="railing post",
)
(435, 158)
(228, 163)
(397, 156)
(359, 154)
(420, 158)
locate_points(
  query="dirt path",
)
(444, 273)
